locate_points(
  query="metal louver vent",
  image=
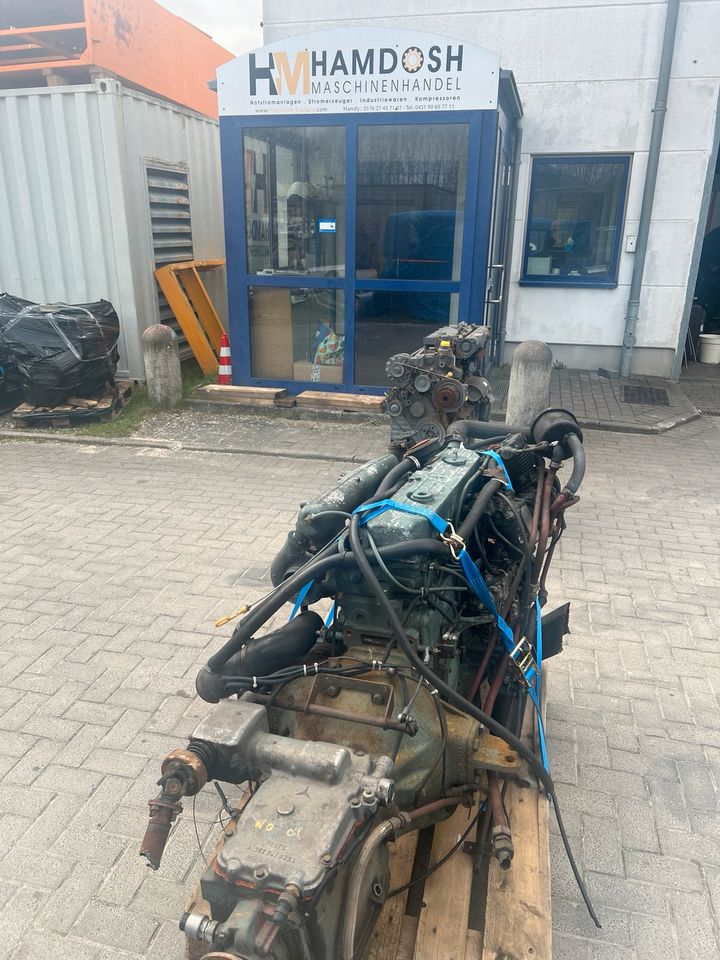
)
(171, 226)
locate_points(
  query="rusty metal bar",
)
(335, 714)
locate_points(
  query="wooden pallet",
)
(516, 909)
(517, 919)
(75, 412)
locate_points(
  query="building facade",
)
(587, 79)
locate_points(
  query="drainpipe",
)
(659, 111)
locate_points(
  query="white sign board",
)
(359, 70)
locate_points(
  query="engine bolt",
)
(326, 858)
(359, 753)
(377, 698)
(332, 690)
(260, 873)
(285, 808)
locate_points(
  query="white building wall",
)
(74, 221)
(587, 76)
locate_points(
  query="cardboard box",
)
(318, 372)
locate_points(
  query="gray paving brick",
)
(111, 925)
(67, 902)
(653, 938)
(45, 872)
(663, 870)
(133, 587)
(602, 851)
(637, 825)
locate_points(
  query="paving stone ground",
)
(115, 562)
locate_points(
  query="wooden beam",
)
(442, 931)
(522, 892)
(385, 938)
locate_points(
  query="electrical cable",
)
(443, 860)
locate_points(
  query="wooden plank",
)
(385, 938)
(442, 931)
(203, 306)
(474, 945)
(518, 921)
(322, 400)
(185, 316)
(240, 395)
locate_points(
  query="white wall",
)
(587, 76)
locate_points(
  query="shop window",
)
(295, 200)
(575, 220)
(388, 322)
(411, 182)
(297, 333)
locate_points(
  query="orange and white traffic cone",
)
(225, 368)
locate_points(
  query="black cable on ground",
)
(444, 859)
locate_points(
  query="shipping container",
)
(99, 184)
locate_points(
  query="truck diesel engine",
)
(401, 699)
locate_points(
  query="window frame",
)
(610, 280)
(474, 252)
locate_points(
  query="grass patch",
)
(193, 377)
(139, 406)
(134, 412)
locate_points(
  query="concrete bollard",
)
(529, 389)
(162, 366)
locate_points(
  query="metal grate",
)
(652, 396)
(171, 226)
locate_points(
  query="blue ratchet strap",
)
(304, 591)
(523, 659)
(499, 461)
(535, 692)
(474, 578)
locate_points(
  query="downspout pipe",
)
(659, 111)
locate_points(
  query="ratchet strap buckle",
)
(453, 540)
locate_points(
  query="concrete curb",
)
(610, 426)
(153, 443)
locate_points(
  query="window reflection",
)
(576, 210)
(410, 201)
(386, 324)
(295, 200)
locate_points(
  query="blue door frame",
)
(482, 130)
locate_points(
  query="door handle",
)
(501, 268)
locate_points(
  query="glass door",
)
(294, 185)
(351, 238)
(411, 186)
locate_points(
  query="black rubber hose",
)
(455, 698)
(481, 430)
(265, 655)
(479, 507)
(574, 445)
(396, 473)
(288, 588)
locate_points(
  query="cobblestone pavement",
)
(637, 403)
(115, 561)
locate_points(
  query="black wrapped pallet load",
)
(58, 350)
